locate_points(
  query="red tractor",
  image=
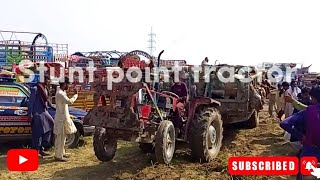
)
(153, 118)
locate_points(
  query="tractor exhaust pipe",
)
(158, 65)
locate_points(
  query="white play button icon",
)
(22, 159)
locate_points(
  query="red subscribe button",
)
(281, 165)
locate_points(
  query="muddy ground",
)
(131, 163)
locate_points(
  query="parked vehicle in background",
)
(14, 118)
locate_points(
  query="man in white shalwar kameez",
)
(293, 91)
(62, 115)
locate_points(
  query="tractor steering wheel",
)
(170, 93)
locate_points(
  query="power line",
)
(151, 42)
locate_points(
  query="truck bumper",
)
(88, 130)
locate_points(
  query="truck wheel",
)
(72, 140)
(104, 148)
(253, 121)
(165, 142)
(146, 147)
(206, 137)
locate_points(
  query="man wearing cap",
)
(61, 117)
(41, 120)
(304, 126)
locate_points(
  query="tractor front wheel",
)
(165, 142)
(104, 147)
(206, 137)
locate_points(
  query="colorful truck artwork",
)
(13, 51)
(8, 91)
(16, 130)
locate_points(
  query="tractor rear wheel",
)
(253, 121)
(206, 134)
(165, 142)
(104, 147)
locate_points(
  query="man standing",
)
(41, 120)
(292, 91)
(205, 62)
(272, 102)
(61, 117)
(280, 103)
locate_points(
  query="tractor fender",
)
(205, 100)
(198, 101)
(194, 105)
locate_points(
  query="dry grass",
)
(130, 163)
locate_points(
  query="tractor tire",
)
(146, 147)
(253, 121)
(104, 147)
(165, 142)
(206, 134)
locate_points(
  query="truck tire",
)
(72, 140)
(104, 147)
(206, 134)
(165, 142)
(146, 147)
(253, 121)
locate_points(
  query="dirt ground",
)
(131, 163)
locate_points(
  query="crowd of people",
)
(301, 107)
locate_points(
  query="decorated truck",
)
(35, 48)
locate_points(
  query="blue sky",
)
(237, 32)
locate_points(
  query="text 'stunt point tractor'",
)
(136, 112)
